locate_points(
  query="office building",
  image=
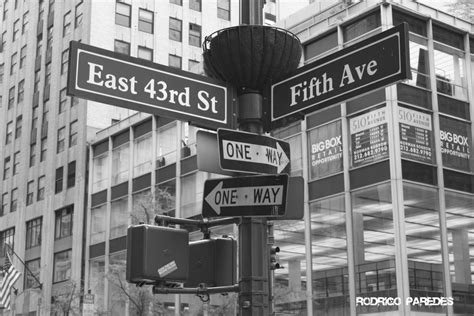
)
(44, 132)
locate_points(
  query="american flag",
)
(10, 275)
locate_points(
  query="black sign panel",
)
(373, 63)
(245, 196)
(416, 135)
(369, 137)
(455, 139)
(140, 85)
(248, 152)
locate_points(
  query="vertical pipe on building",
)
(439, 169)
(88, 218)
(108, 213)
(179, 136)
(307, 221)
(396, 181)
(348, 210)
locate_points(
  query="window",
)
(62, 100)
(19, 121)
(4, 209)
(63, 223)
(120, 163)
(32, 154)
(4, 41)
(223, 9)
(40, 192)
(24, 26)
(33, 232)
(37, 81)
(32, 273)
(47, 75)
(6, 168)
(122, 14)
(7, 237)
(192, 65)
(145, 53)
(13, 63)
(61, 139)
(175, 29)
(142, 154)
(43, 149)
(64, 60)
(194, 35)
(9, 135)
(145, 21)
(78, 20)
(119, 219)
(58, 183)
(16, 162)
(321, 45)
(67, 23)
(178, 2)
(361, 26)
(174, 61)
(122, 47)
(16, 29)
(2, 72)
(30, 187)
(73, 133)
(11, 97)
(5, 11)
(22, 56)
(14, 200)
(21, 91)
(71, 174)
(195, 5)
(62, 266)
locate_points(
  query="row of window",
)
(146, 17)
(40, 188)
(61, 269)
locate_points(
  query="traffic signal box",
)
(157, 253)
(213, 262)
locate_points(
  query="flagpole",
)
(40, 285)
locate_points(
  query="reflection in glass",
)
(420, 69)
(329, 250)
(374, 245)
(97, 229)
(423, 244)
(166, 197)
(96, 282)
(460, 226)
(120, 163)
(100, 173)
(142, 155)
(119, 218)
(166, 144)
(450, 71)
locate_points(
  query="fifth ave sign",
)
(376, 62)
(248, 152)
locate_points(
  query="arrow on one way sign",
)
(248, 152)
(245, 196)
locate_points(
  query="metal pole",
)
(253, 251)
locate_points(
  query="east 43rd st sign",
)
(104, 76)
(248, 152)
(245, 196)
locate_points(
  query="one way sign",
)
(245, 196)
(248, 152)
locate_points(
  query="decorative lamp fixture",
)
(251, 56)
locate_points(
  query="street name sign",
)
(108, 77)
(253, 153)
(376, 62)
(246, 196)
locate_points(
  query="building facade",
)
(389, 189)
(44, 132)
